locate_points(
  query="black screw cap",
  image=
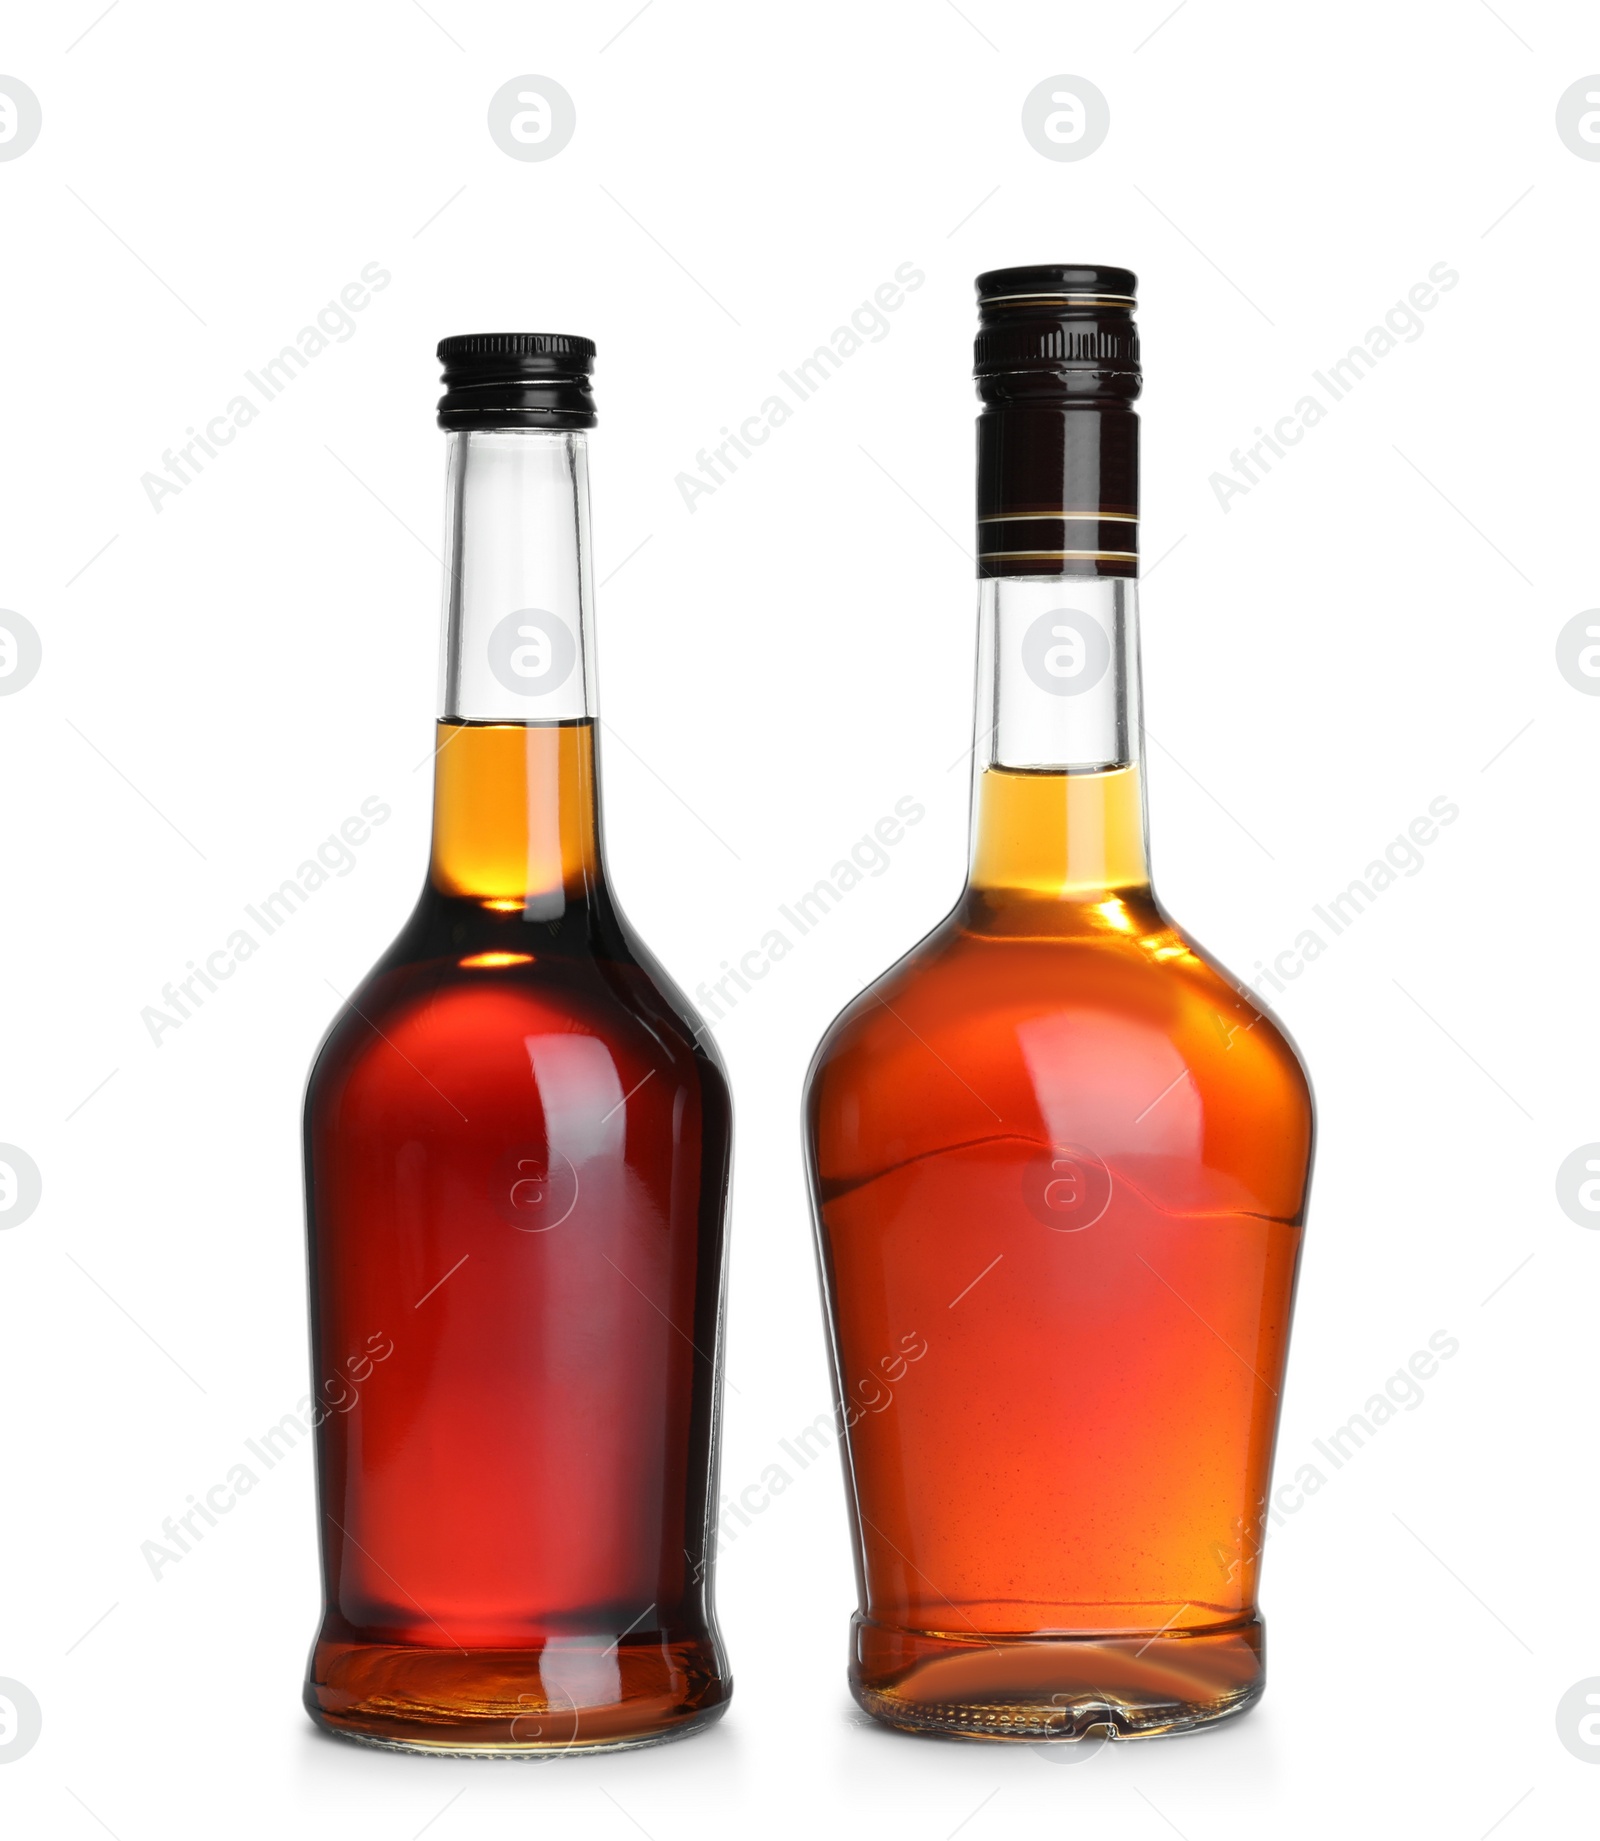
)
(1057, 332)
(516, 380)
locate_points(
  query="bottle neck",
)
(516, 803)
(1058, 785)
(1058, 801)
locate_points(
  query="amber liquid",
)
(1066, 1157)
(517, 1153)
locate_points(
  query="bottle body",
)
(1058, 1159)
(1068, 1160)
(517, 1148)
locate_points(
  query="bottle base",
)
(1057, 1688)
(514, 1703)
(427, 1748)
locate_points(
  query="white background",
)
(1371, 627)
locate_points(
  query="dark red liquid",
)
(517, 1160)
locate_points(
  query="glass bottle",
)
(517, 1143)
(1059, 1157)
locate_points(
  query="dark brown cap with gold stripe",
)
(1057, 367)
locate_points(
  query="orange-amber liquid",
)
(1067, 1158)
(517, 1161)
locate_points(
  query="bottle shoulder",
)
(1118, 1033)
(513, 1003)
(1127, 962)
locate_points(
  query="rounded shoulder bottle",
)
(1059, 1157)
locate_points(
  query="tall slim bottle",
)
(1059, 1157)
(517, 1141)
